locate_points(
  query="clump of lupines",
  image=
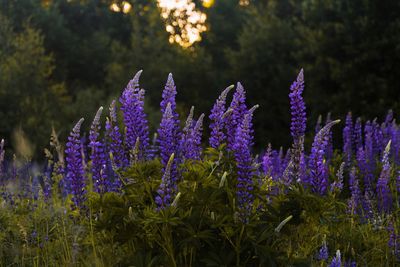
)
(217, 125)
(132, 101)
(318, 176)
(75, 174)
(383, 190)
(297, 127)
(242, 151)
(234, 118)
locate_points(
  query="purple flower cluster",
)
(75, 174)
(132, 101)
(242, 151)
(217, 124)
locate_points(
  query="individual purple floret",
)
(192, 147)
(75, 179)
(348, 140)
(98, 157)
(217, 124)
(132, 106)
(337, 260)
(239, 109)
(323, 252)
(168, 188)
(318, 176)
(357, 135)
(384, 195)
(244, 161)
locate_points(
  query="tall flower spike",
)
(75, 180)
(217, 124)
(297, 108)
(267, 162)
(98, 157)
(135, 119)
(166, 191)
(184, 136)
(234, 118)
(337, 185)
(167, 140)
(357, 134)
(355, 199)
(348, 139)
(115, 140)
(318, 169)
(337, 260)
(297, 127)
(242, 148)
(192, 148)
(384, 195)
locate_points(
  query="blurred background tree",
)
(62, 59)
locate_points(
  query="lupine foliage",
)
(119, 201)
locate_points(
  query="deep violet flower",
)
(75, 179)
(234, 118)
(98, 157)
(364, 168)
(244, 162)
(357, 135)
(217, 124)
(337, 260)
(383, 192)
(132, 106)
(318, 176)
(267, 162)
(115, 141)
(297, 127)
(192, 146)
(168, 188)
(348, 139)
(168, 140)
(323, 252)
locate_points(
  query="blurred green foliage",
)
(63, 59)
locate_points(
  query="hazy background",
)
(60, 60)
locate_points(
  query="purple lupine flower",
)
(168, 140)
(337, 185)
(217, 124)
(75, 180)
(357, 135)
(153, 149)
(337, 260)
(116, 146)
(185, 134)
(318, 177)
(239, 109)
(192, 145)
(242, 147)
(323, 253)
(132, 101)
(168, 96)
(297, 109)
(267, 162)
(297, 126)
(98, 157)
(367, 205)
(348, 139)
(355, 199)
(383, 192)
(369, 147)
(167, 188)
(364, 169)
(377, 136)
